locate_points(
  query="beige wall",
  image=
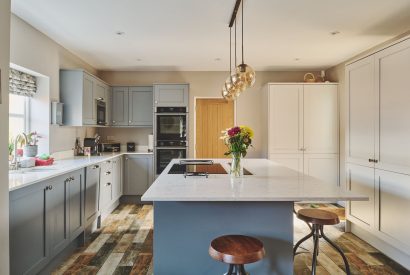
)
(337, 74)
(35, 51)
(208, 84)
(4, 115)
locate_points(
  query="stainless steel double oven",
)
(171, 138)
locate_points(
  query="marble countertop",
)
(26, 177)
(270, 182)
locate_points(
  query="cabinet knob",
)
(130, 121)
(156, 102)
(96, 166)
(113, 122)
(126, 158)
(107, 173)
(108, 183)
(49, 187)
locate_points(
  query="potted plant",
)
(11, 148)
(237, 139)
(31, 148)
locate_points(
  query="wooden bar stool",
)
(319, 218)
(236, 250)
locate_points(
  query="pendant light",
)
(246, 73)
(228, 89)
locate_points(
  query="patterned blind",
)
(22, 84)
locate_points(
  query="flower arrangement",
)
(237, 139)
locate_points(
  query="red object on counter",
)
(42, 162)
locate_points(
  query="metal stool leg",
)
(338, 250)
(230, 271)
(301, 241)
(316, 236)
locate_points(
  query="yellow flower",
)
(247, 129)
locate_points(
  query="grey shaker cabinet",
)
(28, 223)
(117, 178)
(44, 217)
(138, 174)
(106, 178)
(140, 108)
(132, 106)
(171, 95)
(119, 106)
(92, 182)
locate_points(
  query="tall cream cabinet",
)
(302, 126)
(378, 148)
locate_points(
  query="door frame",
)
(209, 97)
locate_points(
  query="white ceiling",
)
(191, 34)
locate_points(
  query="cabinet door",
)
(89, 108)
(360, 138)
(138, 174)
(322, 166)
(28, 244)
(171, 95)
(100, 90)
(120, 106)
(57, 205)
(292, 161)
(108, 102)
(117, 179)
(75, 213)
(321, 120)
(393, 203)
(106, 179)
(393, 140)
(285, 119)
(92, 182)
(360, 179)
(140, 106)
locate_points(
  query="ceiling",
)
(194, 34)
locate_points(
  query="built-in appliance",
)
(93, 143)
(131, 146)
(109, 147)
(101, 112)
(199, 168)
(170, 134)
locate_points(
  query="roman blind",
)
(22, 83)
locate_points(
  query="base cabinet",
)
(106, 178)
(44, 217)
(138, 174)
(92, 186)
(117, 179)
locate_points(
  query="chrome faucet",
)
(15, 164)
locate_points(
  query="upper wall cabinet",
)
(80, 91)
(132, 106)
(378, 129)
(171, 95)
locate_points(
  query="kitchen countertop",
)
(270, 182)
(26, 177)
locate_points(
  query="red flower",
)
(234, 131)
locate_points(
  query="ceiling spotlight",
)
(139, 59)
(335, 32)
(217, 59)
(297, 59)
(119, 33)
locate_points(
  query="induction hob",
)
(199, 168)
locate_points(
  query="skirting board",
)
(390, 251)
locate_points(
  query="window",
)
(18, 115)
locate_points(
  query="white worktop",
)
(270, 182)
(26, 177)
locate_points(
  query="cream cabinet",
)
(303, 128)
(378, 146)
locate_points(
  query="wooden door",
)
(285, 119)
(212, 117)
(360, 138)
(392, 90)
(321, 120)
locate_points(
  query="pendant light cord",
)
(230, 50)
(235, 44)
(242, 31)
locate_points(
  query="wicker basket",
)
(309, 77)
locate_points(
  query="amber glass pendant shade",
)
(228, 90)
(247, 74)
(238, 83)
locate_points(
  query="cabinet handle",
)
(130, 121)
(96, 167)
(156, 102)
(375, 161)
(108, 161)
(107, 173)
(113, 122)
(49, 187)
(126, 158)
(371, 160)
(108, 183)
(100, 99)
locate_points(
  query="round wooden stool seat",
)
(318, 216)
(236, 249)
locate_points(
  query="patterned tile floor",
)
(124, 246)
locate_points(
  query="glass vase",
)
(236, 165)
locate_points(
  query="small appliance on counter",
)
(93, 144)
(109, 147)
(131, 146)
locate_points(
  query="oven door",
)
(101, 112)
(171, 126)
(164, 155)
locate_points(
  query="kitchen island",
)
(190, 211)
